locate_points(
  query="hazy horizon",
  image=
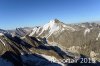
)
(30, 13)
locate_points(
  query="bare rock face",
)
(51, 45)
(29, 51)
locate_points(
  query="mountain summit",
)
(51, 45)
(54, 26)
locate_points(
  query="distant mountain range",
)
(51, 45)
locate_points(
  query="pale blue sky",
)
(21, 13)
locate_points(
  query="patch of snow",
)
(41, 32)
(87, 30)
(23, 37)
(70, 28)
(98, 36)
(48, 35)
(2, 42)
(93, 54)
(52, 59)
(1, 34)
(62, 29)
(54, 28)
(33, 32)
(50, 25)
(38, 60)
(38, 29)
(22, 53)
(13, 34)
(64, 25)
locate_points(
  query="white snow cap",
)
(54, 26)
(51, 26)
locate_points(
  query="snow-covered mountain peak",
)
(55, 21)
(52, 24)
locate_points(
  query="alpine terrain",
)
(54, 44)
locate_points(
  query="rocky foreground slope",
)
(54, 44)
